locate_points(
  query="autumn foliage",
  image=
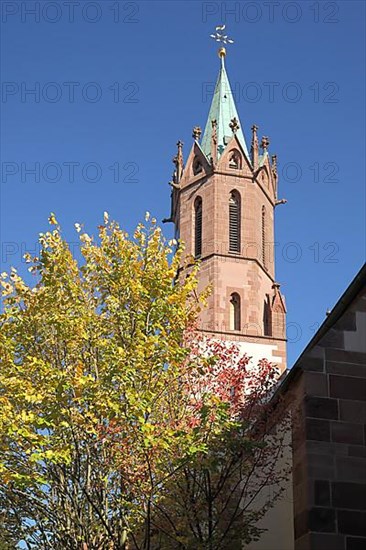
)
(121, 426)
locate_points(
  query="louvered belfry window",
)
(234, 222)
(264, 256)
(198, 227)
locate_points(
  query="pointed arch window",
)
(264, 223)
(234, 222)
(234, 311)
(266, 319)
(198, 227)
(235, 160)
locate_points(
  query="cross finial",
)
(196, 134)
(265, 142)
(234, 125)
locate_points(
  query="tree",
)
(216, 500)
(92, 403)
(111, 402)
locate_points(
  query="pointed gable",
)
(190, 173)
(235, 145)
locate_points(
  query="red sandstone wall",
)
(329, 441)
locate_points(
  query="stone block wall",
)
(329, 456)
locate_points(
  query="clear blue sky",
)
(298, 69)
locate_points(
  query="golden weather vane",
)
(219, 36)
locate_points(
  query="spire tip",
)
(221, 53)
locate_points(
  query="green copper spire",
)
(223, 110)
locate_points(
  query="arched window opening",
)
(235, 160)
(266, 320)
(198, 227)
(197, 166)
(234, 222)
(264, 255)
(234, 311)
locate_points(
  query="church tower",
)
(223, 203)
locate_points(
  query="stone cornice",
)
(251, 179)
(237, 335)
(237, 256)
